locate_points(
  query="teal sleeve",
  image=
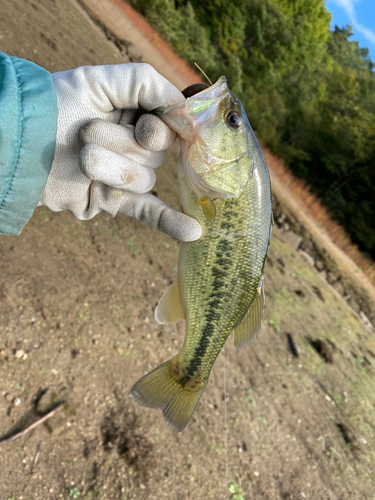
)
(28, 125)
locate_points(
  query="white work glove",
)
(114, 171)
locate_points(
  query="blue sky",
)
(358, 13)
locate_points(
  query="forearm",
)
(28, 124)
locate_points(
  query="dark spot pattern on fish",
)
(223, 262)
(212, 315)
(219, 271)
(224, 247)
(226, 225)
(225, 274)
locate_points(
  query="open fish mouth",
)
(198, 108)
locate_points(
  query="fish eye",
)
(234, 119)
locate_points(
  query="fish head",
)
(216, 140)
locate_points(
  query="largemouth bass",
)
(224, 184)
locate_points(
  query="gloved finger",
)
(153, 134)
(149, 209)
(120, 140)
(128, 117)
(102, 165)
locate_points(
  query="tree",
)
(309, 92)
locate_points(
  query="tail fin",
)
(160, 389)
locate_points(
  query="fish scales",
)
(224, 184)
(221, 283)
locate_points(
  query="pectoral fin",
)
(249, 327)
(208, 208)
(169, 309)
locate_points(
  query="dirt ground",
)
(76, 325)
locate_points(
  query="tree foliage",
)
(309, 92)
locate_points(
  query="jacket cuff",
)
(28, 125)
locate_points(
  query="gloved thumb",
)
(153, 134)
(125, 86)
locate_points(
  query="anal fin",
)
(169, 309)
(248, 329)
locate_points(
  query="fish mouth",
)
(189, 114)
(219, 88)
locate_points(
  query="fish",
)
(225, 185)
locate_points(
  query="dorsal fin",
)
(169, 309)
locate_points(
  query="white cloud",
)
(348, 6)
(370, 35)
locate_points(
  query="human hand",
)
(115, 169)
